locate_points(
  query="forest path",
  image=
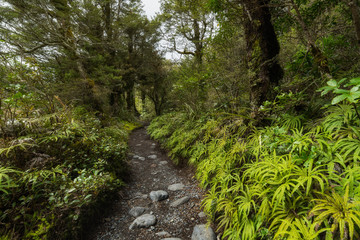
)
(152, 170)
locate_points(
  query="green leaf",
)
(325, 90)
(338, 99)
(332, 83)
(355, 81)
(342, 91)
(354, 89)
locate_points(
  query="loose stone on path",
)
(176, 187)
(140, 195)
(202, 215)
(203, 232)
(144, 221)
(153, 157)
(137, 211)
(163, 234)
(180, 201)
(157, 196)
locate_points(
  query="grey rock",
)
(158, 195)
(176, 187)
(141, 158)
(153, 157)
(202, 215)
(163, 162)
(171, 239)
(180, 201)
(140, 195)
(163, 234)
(137, 211)
(144, 221)
(203, 232)
(135, 157)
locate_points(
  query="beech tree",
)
(262, 46)
(189, 25)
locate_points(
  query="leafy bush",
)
(66, 164)
(294, 179)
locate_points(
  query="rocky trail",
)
(161, 201)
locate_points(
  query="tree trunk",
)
(354, 9)
(198, 44)
(143, 101)
(263, 49)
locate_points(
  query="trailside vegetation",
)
(293, 179)
(58, 171)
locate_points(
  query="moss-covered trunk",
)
(263, 49)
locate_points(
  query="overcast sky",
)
(151, 7)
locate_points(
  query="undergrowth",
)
(58, 171)
(293, 179)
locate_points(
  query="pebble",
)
(140, 195)
(171, 239)
(176, 187)
(153, 157)
(137, 211)
(144, 221)
(163, 234)
(163, 162)
(180, 201)
(202, 215)
(141, 158)
(203, 232)
(158, 195)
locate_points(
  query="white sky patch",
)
(151, 7)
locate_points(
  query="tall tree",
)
(260, 34)
(189, 25)
(261, 43)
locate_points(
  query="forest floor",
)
(152, 170)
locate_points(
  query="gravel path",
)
(151, 170)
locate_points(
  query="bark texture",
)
(263, 49)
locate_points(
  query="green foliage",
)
(342, 210)
(350, 95)
(68, 164)
(283, 181)
(5, 180)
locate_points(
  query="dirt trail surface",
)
(152, 170)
